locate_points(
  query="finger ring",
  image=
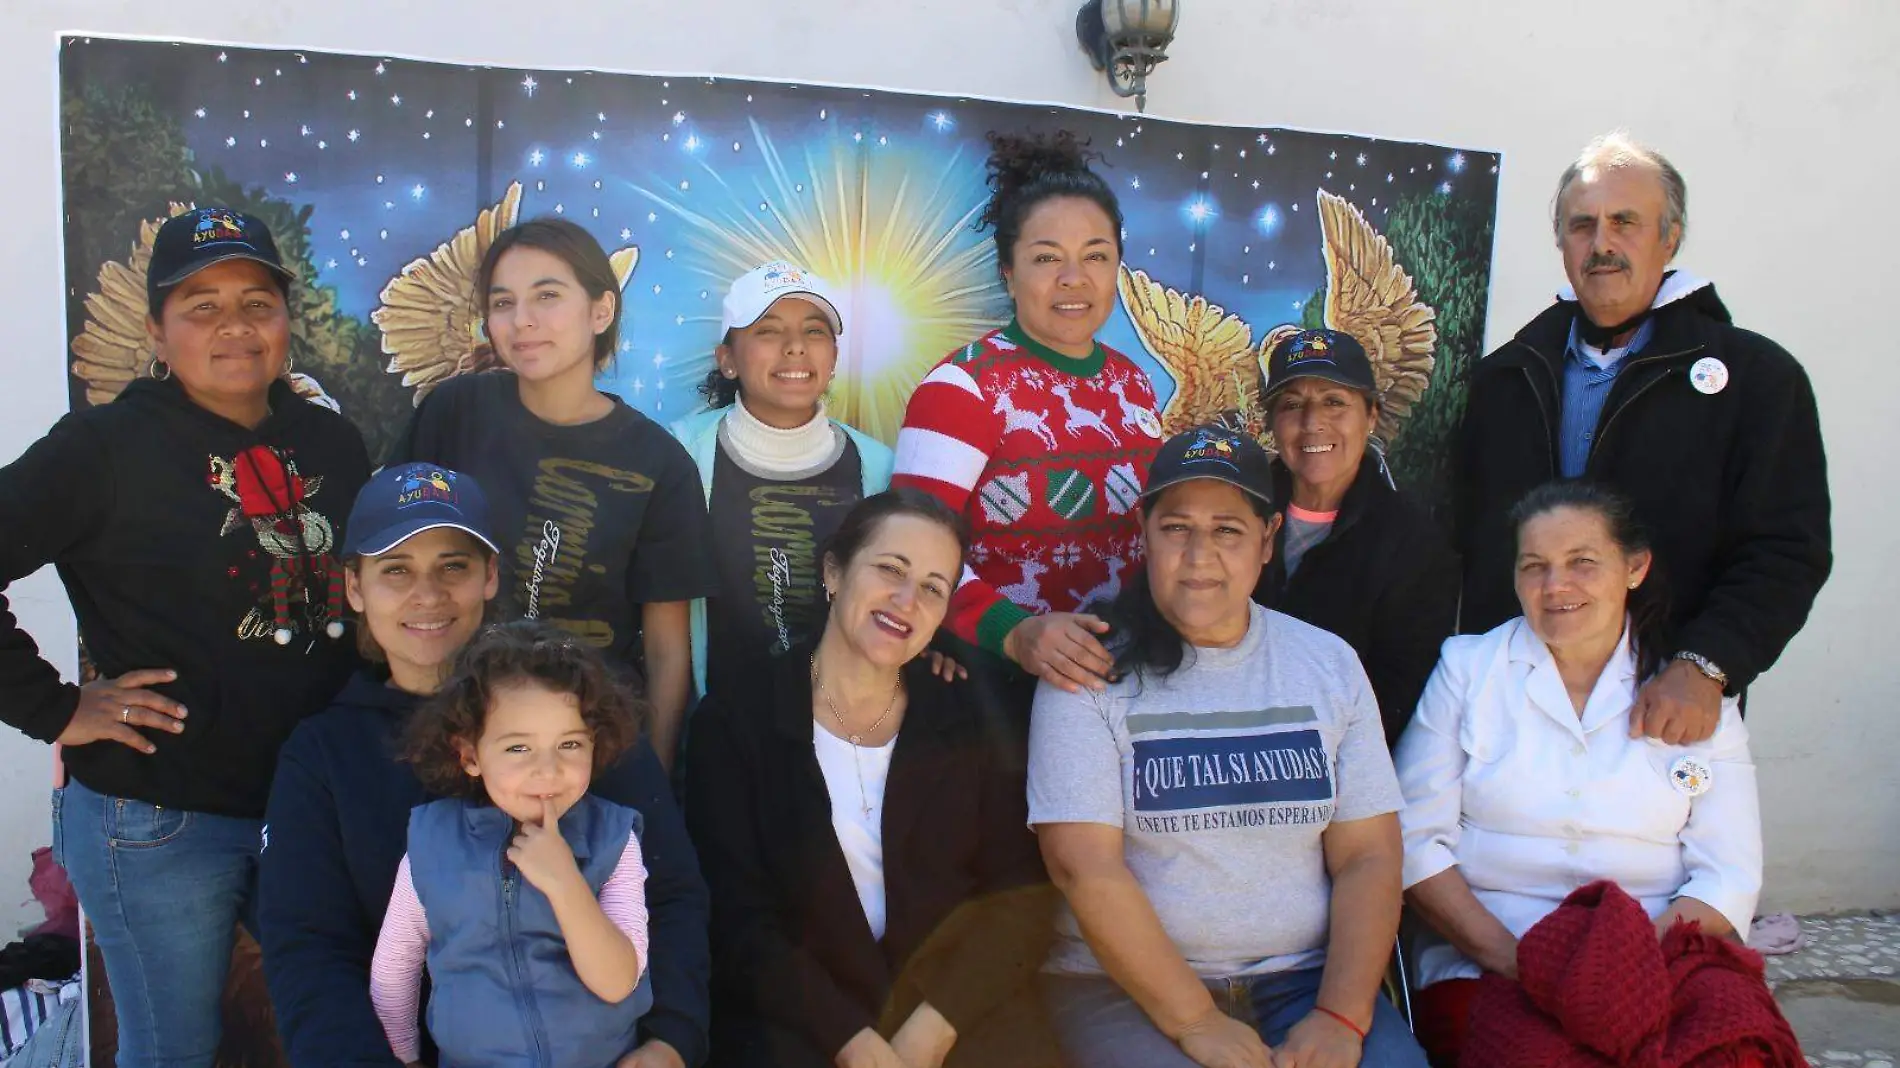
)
(125, 715)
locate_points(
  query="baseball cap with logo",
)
(397, 503)
(189, 243)
(754, 292)
(1214, 452)
(1326, 354)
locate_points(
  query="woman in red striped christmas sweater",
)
(1037, 432)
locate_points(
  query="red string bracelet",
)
(1350, 1026)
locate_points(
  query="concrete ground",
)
(1841, 990)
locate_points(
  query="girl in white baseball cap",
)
(779, 475)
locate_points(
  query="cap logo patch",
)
(782, 276)
(1210, 445)
(216, 225)
(1311, 346)
(426, 485)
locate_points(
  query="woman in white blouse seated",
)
(1522, 782)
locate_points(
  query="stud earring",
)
(728, 372)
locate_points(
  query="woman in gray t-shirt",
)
(1222, 819)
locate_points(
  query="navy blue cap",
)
(189, 243)
(397, 503)
(1326, 354)
(1214, 452)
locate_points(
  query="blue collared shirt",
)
(1586, 386)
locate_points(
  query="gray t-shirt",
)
(1222, 777)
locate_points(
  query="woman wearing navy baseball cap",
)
(422, 567)
(1355, 556)
(193, 521)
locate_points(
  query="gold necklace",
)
(856, 740)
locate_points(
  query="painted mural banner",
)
(385, 179)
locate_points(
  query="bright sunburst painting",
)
(892, 231)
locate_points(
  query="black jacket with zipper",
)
(1384, 579)
(1732, 484)
(175, 531)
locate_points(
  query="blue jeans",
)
(1100, 1026)
(164, 890)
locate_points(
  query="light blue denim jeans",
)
(60, 1041)
(164, 890)
(1100, 1026)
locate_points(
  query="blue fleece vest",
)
(504, 991)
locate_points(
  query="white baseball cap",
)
(754, 292)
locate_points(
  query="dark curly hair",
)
(1027, 169)
(570, 243)
(524, 652)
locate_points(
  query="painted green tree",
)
(125, 163)
(1444, 243)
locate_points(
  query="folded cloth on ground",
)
(1598, 989)
(1775, 934)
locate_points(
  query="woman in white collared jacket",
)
(1522, 782)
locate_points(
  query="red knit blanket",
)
(1598, 989)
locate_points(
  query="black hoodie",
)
(1385, 579)
(338, 827)
(185, 541)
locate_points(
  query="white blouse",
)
(855, 778)
(1503, 779)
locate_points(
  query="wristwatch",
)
(1706, 667)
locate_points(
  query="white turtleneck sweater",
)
(770, 451)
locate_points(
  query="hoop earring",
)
(152, 370)
(290, 364)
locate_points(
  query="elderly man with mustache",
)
(1637, 378)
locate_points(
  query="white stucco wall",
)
(1781, 115)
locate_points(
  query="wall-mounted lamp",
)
(1127, 39)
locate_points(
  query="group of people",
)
(1027, 743)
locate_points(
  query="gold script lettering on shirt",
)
(565, 493)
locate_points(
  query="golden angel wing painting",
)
(113, 347)
(1217, 367)
(431, 325)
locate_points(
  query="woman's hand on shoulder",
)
(1217, 1040)
(1319, 1041)
(1063, 649)
(946, 667)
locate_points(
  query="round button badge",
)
(1691, 776)
(1709, 376)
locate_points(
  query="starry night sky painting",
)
(369, 167)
